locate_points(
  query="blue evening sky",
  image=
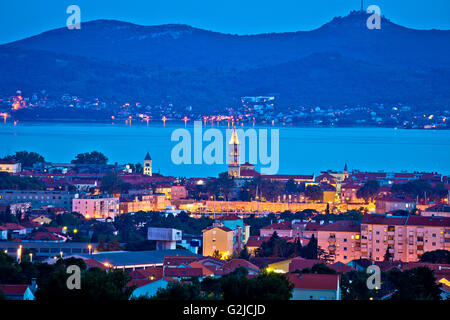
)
(23, 18)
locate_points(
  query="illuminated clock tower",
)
(234, 151)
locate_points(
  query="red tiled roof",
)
(249, 173)
(11, 226)
(395, 199)
(299, 263)
(255, 241)
(43, 236)
(312, 226)
(206, 270)
(285, 225)
(183, 272)
(290, 176)
(230, 217)
(263, 262)
(314, 281)
(340, 267)
(428, 221)
(341, 226)
(8, 162)
(220, 227)
(139, 282)
(233, 264)
(13, 289)
(156, 272)
(177, 260)
(409, 220)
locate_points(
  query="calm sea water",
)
(302, 150)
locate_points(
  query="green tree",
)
(112, 183)
(93, 157)
(319, 268)
(314, 192)
(176, 291)
(221, 187)
(244, 254)
(414, 284)
(291, 186)
(369, 190)
(27, 159)
(354, 286)
(436, 256)
(96, 285)
(8, 181)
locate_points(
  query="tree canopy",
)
(369, 190)
(8, 181)
(93, 157)
(27, 159)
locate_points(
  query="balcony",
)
(331, 248)
(332, 240)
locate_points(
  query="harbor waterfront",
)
(304, 150)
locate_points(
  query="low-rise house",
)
(315, 286)
(254, 243)
(387, 204)
(17, 291)
(233, 264)
(10, 166)
(42, 219)
(12, 230)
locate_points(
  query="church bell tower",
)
(234, 167)
(148, 165)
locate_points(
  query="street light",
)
(31, 257)
(19, 254)
(90, 249)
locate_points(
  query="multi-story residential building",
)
(242, 231)
(10, 166)
(218, 238)
(96, 207)
(38, 198)
(403, 238)
(137, 203)
(341, 240)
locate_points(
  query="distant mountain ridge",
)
(394, 64)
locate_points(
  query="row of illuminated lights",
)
(20, 249)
